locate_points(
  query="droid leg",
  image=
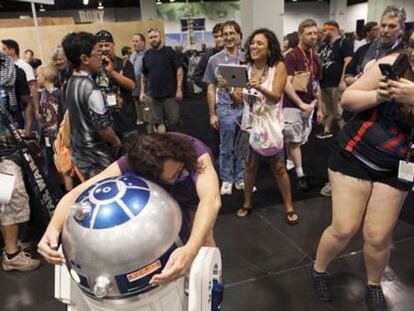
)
(205, 284)
(67, 291)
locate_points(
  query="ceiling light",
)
(172, 0)
(85, 2)
(42, 9)
(100, 6)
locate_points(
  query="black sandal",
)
(289, 216)
(244, 211)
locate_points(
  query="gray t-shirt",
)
(212, 72)
(136, 60)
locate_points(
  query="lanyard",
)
(252, 68)
(377, 52)
(227, 57)
(308, 62)
(252, 98)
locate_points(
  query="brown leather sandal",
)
(290, 215)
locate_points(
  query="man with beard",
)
(161, 67)
(299, 104)
(335, 54)
(391, 26)
(117, 82)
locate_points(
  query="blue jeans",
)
(231, 165)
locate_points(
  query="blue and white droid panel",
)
(114, 202)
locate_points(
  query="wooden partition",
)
(51, 36)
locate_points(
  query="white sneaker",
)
(226, 188)
(22, 262)
(289, 165)
(239, 185)
(326, 190)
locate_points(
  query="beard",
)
(386, 42)
(309, 44)
(156, 45)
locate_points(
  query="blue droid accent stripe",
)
(114, 201)
(129, 285)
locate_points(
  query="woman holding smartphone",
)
(371, 171)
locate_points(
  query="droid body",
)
(117, 236)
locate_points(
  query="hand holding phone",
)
(387, 71)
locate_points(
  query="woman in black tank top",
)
(368, 188)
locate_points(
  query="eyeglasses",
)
(178, 176)
(152, 29)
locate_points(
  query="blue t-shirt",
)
(212, 72)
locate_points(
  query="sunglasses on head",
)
(153, 29)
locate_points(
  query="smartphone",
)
(386, 70)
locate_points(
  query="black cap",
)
(104, 35)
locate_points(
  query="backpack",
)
(63, 153)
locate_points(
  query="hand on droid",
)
(48, 246)
(177, 266)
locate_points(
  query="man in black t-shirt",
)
(335, 54)
(117, 81)
(390, 29)
(161, 67)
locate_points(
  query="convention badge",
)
(406, 171)
(6, 189)
(111, 100)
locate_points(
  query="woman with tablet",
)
(267, 79)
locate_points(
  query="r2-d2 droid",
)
(118, 235)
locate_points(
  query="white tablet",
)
(235, 75)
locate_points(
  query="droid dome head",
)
(119, 233)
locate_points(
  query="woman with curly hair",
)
(267, 80)
(179, 163)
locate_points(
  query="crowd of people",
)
(96, 115)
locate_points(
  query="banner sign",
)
(196, 24)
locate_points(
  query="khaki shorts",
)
(297, 126)
(18, 209)
(164, 110)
